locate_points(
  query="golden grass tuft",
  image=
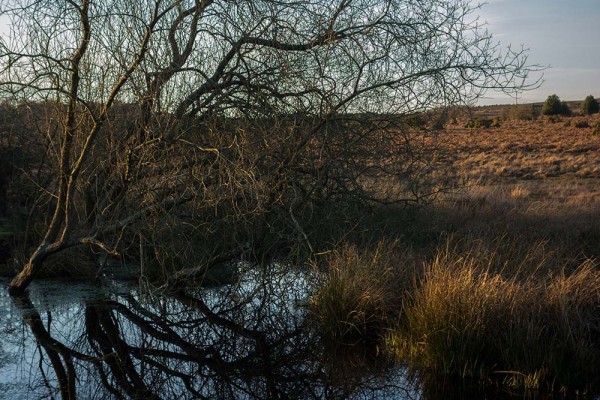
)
(466, 318)
(361, 293)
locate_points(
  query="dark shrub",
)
(553, 106)
(525, 112)
(590, 106)
(479, 123)
(555, 119)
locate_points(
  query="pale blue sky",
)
(562, 34)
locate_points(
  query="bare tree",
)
(167, 112)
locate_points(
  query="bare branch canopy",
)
(157, 116)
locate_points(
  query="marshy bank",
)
(484, 314)
(180, 138)
(495, 284)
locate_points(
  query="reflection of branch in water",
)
(104, 338)
(61, 358)
(262, 349)
(182, 347)
(230, 350)
(177, 348)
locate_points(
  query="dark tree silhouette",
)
(590, 105)
(237, 118)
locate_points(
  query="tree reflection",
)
(221, 343)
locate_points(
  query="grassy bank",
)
(470, 311)
(498, 282)
(468, 319)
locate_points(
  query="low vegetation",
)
(498, 282)
(361, 295)
(467, 318)
(514, 318)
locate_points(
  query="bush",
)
(479, 123)
(590, 106)
(556, 119)
(466, 318)
(564, 108)
(361, 294)
(525, 113)
(553, 106)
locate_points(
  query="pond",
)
(249, 340)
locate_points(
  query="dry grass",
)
(535, 179)
(467, 318)
(502, 311)
(512, 296)
(361, 295)
(563, 215)
(525, 149)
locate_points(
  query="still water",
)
(246, 341)
(250, 340)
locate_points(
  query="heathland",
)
(179, 140)
(498, 280)
(494, 278)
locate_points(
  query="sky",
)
(563, 35)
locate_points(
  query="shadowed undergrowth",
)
(360, 297)
(473, 311)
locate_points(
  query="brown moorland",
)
(539, 178)
(525, 150)
(497, 281)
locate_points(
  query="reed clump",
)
(476, 310)
(466, 317)
(361, 294)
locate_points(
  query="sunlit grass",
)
(361, 294)
(465, 317)
(498, 311)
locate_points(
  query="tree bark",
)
(19, 283)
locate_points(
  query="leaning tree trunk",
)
(55, 236)
(20, 282)
(48, 246)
